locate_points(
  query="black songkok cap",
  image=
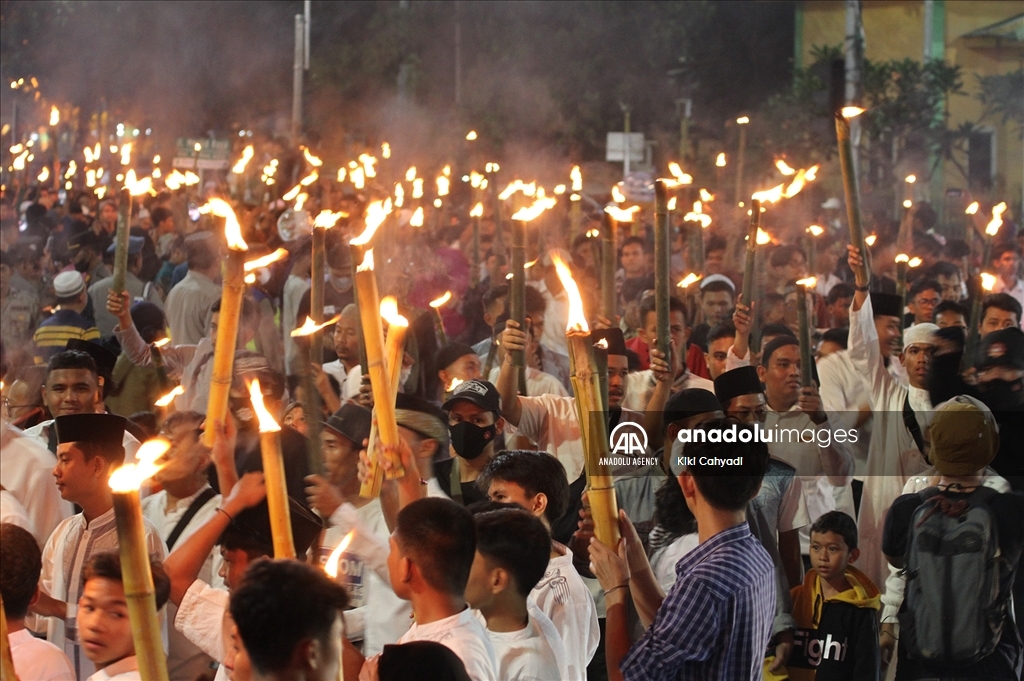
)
(106, 430)
(886, 305)
(614, 337)
(739, 381)
(1002, 348)
(426, 660)
(690, 402)
(352, 422)
(448, 354)
(254, 524)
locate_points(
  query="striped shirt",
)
(54, 332)
(716, 620)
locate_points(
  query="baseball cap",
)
(481, 393)
(351, 421)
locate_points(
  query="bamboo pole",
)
(517, 304)
(124, 217)
(608, 238)
(749, 269)
(475, 261)
(158, 364)
(277, 493)
(356, 258)
(594, 432)
(227, 338)
(139, 592)
(7, 671)
(380, 381)
(575, 217)
(313, 406)
(662, 256)
(851, 189)
(805, 336)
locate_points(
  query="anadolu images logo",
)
(628, 439)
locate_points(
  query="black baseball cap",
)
(478, 391)
(351, 421)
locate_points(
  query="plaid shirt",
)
(716, 620)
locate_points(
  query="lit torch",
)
(436, 305)
(132, 188)
(517, 305)
(987, 282)
(273, 473)
(852, 189)
(802, 286)
(136, 573)
(575, 209)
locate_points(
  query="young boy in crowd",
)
(536, 482)
(432, 552)
(104, 627)
(20, 564)
(512, 550)
(835, 608)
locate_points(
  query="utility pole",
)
(298, 66)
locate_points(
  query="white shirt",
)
(378, 616)
(551, 422)
(892, 455)
(1017, 291)
(26, 471)
(38, 660)
(11, 511)
(122, 670)
(556, 315)
(348, 381)
(184, 659)
(844, 394)
(64, 557)
(663, 561)
(564, 597)
(201, 618)
(537, 382)
(534, 653)
(463, 635)
(640, 387)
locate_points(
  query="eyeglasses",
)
(8, 406)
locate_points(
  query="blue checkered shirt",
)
(716, 620)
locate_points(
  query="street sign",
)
(616, 147)
(213, 154)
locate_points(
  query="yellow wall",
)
(895, 30)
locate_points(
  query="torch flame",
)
(621, 215)
(809, 282)
(137, 187)
(706, 196)
(742, 120)
(456, 382)
(784, 167)
(44, 174)
(327, 219)
(474, 179)
(311, 159)
(162, 342)
(533, 211)
(375, 214)
(331, 566)
(417, 188)
(438, 302)
(389, 312)
(367, 264)
(232, 230)
(129, 477)
(249, 278)
(173, 181)
(166, 400)
(763, 237)
(265, 260)
(191, 178)
(471, 135)
(72, 168)
(54, 115)
(410, 174)
(988, 281)
(973, 208)
(443, 184)
(816, 230)
(267, 422)
(300, 201)
(907, 203)
(870, 239)
(511, 189)
(309, 327)
(577, 179)
(772, 195)
(997, 219)
(911, 179)
(342, 173)
(677, 172)
(126, 153)
(915, 262)
(247, 155)
(617, 195)
(399, 195)
(593, 233)
(90, 178)
(87, 153)
(902, 257)
(385, 150)
(309, 179)
(851, 111)
(358, 177)
(577, 321)
(559, 189)
(368, 164)
(478, 211)
(688, 279)
(447, 170)
(417, 217)
(720, 161)
(672, 203)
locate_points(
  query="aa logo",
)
(628, 439)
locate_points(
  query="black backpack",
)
(954, 609)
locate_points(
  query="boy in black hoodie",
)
(835, 609)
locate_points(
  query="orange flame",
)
(988, 281)
(417, 188)
(603, 344)
(367, 264)
(471, 135)
(809, 282)
(129, 477)
(456, 382)
(309, 179)
(368, 165)
(997, 219)
(162, 342)
(915, 262)
(478, 211)
(292, 193)
(358, 177)
(137, 187)
(266, 420)
(577, 179)
(417, 217)
(443, 184)
(342, 173)
(902, 257)
(375, 214)
(399, 195)
(815, 230)
(679, 175)
(911, 179)
(331, 566)
(389, 312)
(247, 155)
(763, 237)
(689, 279)
(311, 159)
(617, 195)
(577, 320)
(475, 179)
(784, 167)
(309, 327)
(870, 239)
(410, 174)
(720, 161)
(706, 196)
(438, 302)
(327, 219)
(385, 150)
(973, 208)
(232, 230)
(54, 115)
(533, 211)
(851, 111)
(265, 260)
(620, 214)
(165, 400)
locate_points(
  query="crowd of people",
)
(883, 545)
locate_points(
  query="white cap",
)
(919, 333)
(68, 284)
(832, 204)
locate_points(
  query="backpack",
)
(954, 610)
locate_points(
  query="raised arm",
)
(176, 357)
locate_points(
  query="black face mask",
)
(1002, 396)
(469, 440)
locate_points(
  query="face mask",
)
(341, 283)
(1000, 395)
(469, 440)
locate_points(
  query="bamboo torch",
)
(135, 567)
(608, 238)
(227, 325)
(987, 283)
(132, 187)
(589, 411)
(273, 473)
(851, 186)
(805, 329)
(394, 344)
(749, 265)
(518, 270)
(476, 213)
(575, 209)
(436, 306)
(158, 362)
(662, 255)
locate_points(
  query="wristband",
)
(616, 588)
(221, 510)
(862, 289)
